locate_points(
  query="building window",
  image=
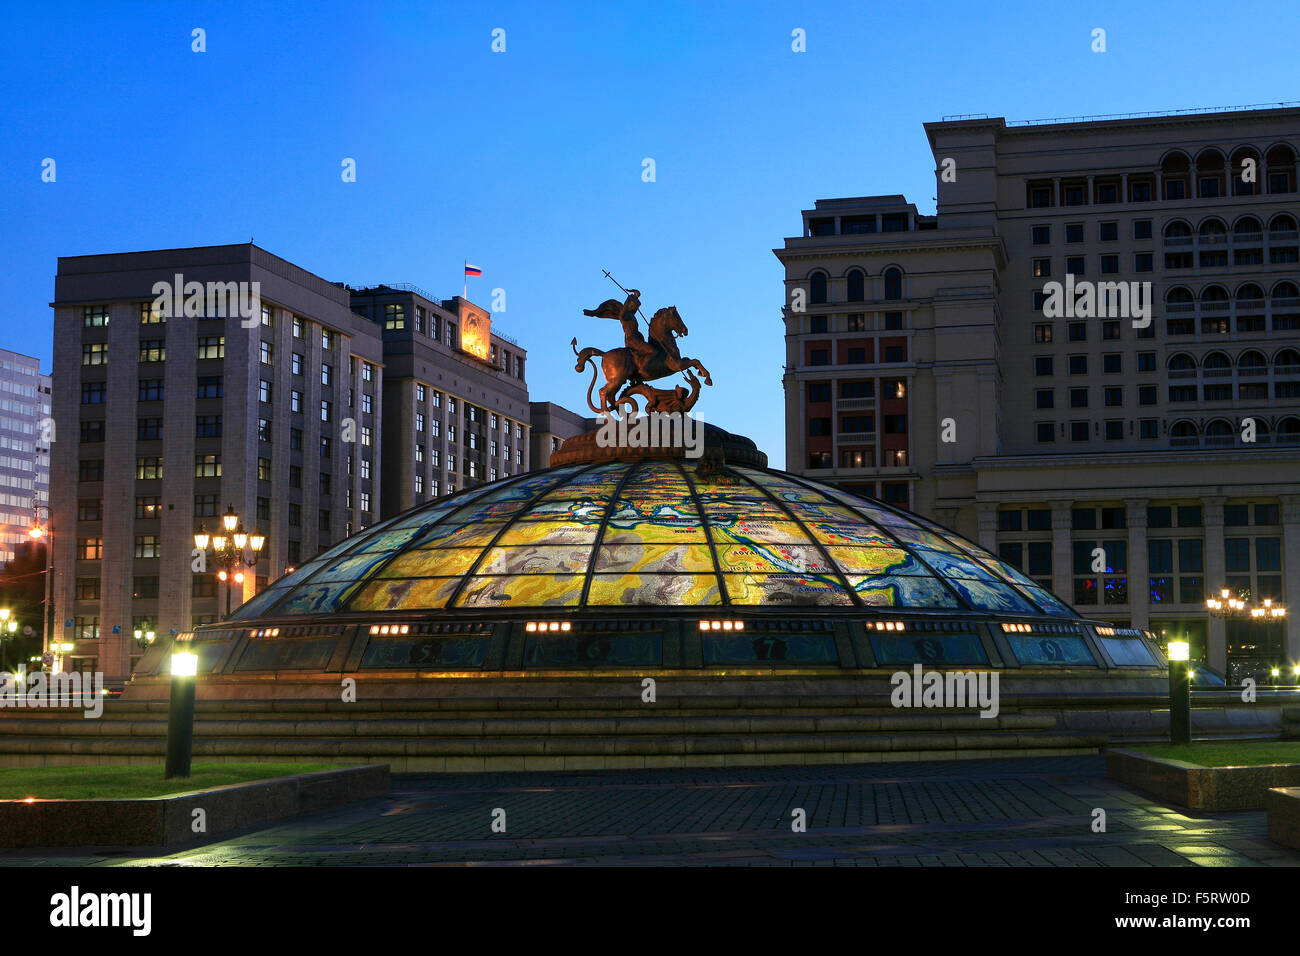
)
(394, 316)
(211, 386)
(88, 589)
(295, 363)
(1114, 396)
(265, 391)
(1045, 398)
(95, 353)
(365, 435)
(1041, 235)
(295, 401)
(893, 283)
(325, 374)
(265, 352)
(263, 469)
(207, 466)
(90, 509)
(207, 426)
(366, 404)
(1042, 333)
(151, 390)
(92, 432)
(146, 545)
(1078, 365)
(94, 316)
(365, 467)
(90, 469)
(1043, 365)
(326, 339)
(205, 506)
(264, 430)
(211, 347)
(148, 468)
(93, 393)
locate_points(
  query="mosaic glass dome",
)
(654, 532)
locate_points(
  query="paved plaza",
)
(1006, 812)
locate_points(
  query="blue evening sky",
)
(528, 163)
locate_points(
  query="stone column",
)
(1139, 590)
(1215, 570)
(1291, 567)
(986, 513)
(1062, 550)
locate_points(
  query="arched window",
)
(1178, 230)
(1175, 173)
(1209, 174)
(1288, 359)
(1285, 293)
(817, 288)
(1251, 359)
(1247, 230)
(1216, 360)
(1218, 427)
(1184, 433)
(1213, 230)
(1215, 294)
(1181, 362)
(893, 283)
(1279, 226)
(857, 285)
(1247, 157)
(1219, 432)
(1281, 169)
(1288, 431)
(1249, 294)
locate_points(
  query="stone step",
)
(645, 725)
(382, 750)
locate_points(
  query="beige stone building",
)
(931, 362)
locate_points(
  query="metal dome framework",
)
(657, 533)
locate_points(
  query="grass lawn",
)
(1228, 753)
(136, 780)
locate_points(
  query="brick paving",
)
(1006, 812)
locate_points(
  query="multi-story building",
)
(1134, 459)
(25, 434)
(552, 424)
(169, 413)
(455, 395)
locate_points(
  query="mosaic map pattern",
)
(653, 533)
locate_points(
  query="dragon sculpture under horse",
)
(641, 361)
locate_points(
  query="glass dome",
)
(655, 532)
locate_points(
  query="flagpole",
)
(464, 280)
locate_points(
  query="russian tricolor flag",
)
(472, 270)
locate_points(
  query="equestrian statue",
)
(641, 360)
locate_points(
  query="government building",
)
(323, 411)
(1088, 360)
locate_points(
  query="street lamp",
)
(229, 547)
(1180, 693)
(38, 532)
(144, 637)
(180, 714)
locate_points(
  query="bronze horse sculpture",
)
(639, 361)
